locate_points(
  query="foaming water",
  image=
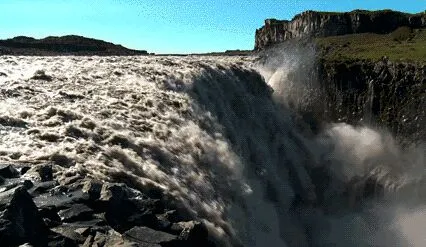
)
(217, 141)
(371, 188)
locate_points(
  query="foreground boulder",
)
(20, 221)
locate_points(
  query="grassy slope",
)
(403, 44)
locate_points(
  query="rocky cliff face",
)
(384, 93)
(321, 24)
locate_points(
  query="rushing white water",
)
(210, 134)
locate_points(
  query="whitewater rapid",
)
(209, 134)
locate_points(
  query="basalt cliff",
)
(366, 68)
(322, 24)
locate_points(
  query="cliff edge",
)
(323, 24)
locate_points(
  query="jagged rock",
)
(40, 173)
(8, 171)
(163, 223)
(15, 182)
(82, 231)
(99, 239)
(59, 240)
(60, 199)
(93, 188)
(24, 169)
(42, 187)
(70, 233)
(88, 242)
(75, 212)
(124, 209)
(50, 216)
(46, 173)
(109, 238)
(20, 221)
(145, 235)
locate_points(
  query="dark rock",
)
(118, 73)
(8, 171)
(24, 169)
(40, 173)
(88, 242)
(15, 182)
(108, 238)
(12, 122)
(93, 188)
(61, 199)
(69, 232)
(62, 160)
(72, 181)
(95, 224)
(172, 216)
(41, 75)
(163, 224)
(49, 137)
(121, 211)
(46, 173)
(83, 231)
(27, 184)
(75, 212)
(42, 187)
(145, 235)
(64, 238)
(50, 216)
(3, 74)
(20, 221)
(99, 239)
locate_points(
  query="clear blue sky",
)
(168, 26)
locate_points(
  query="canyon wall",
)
(322, 24)
(384, 93)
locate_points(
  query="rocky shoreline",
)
(37, 210)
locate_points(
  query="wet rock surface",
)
(380, 93)
(86, 213)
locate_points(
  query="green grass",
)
(404, 44)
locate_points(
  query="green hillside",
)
(404, 44)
